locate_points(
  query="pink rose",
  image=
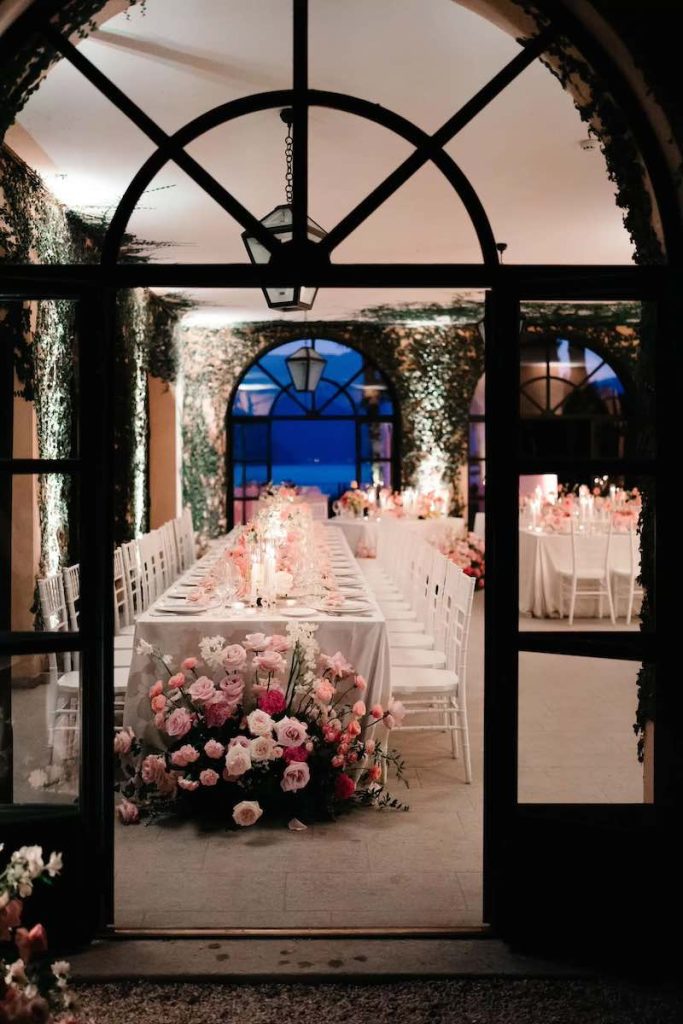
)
(189, 784)
(153, 767)
(361, 684)
(344, 787)
(295, 776)
(232, 688)
(212, 748)
(176, 681)
(279, 643)
(128, 813)
(290, 732)
(295, 754)
(179, 722)
(375, 772)
(217, 711)
(185, 755)
(269, 661)
(353, 729)
(189, 664)
(123, 740)
(324, 691)
(234, 657)
(273, 701)
(377, 711)
(208, 777)
(247, 812)
(260, 723)
(239, 741)
(158, 703)
(370, 746)
(256, 641)
(156, 689)
(202, 689)
(337, 664)
(358, 709)
(237, 761)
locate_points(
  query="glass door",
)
(54, 666)
(570, 539)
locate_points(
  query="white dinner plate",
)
(348, 608)
(297, 612)
(185, 607)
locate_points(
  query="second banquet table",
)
(361, 638)
(364, 535)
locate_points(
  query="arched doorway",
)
(520, 844)
(344, 430)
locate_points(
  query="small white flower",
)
(15, 973)
(211, 649)
(55, 864)
(167, 660)
(32, 858)
(144, 648)
(61, 968)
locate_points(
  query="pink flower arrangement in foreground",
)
(269, 727)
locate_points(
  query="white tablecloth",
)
(361, 639)
(542, 556)
(364, 535)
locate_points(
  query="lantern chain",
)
(289, 156)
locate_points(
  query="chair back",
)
(170, 551)
(151, 571)
(72, 590)
(130, 554)
(457, 612)
(122, 609)
(55, 617)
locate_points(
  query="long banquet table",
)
(542, 556)
(364, 535)
(361, 638)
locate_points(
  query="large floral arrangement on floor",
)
(468, 553)
(32, 990)
(267, 727)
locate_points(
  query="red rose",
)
(295, 754)
(272, 702)
(344, 787)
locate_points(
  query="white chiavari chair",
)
(62, 703)
(151, 569)
(625, 578)
(442, 692)
(124, 628)
(130, 553)
(167, 532)
(427, 602)
(585, 580)
(72, 588)
(185, 539)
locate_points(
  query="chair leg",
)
(572, 603)
(462, 722)
(561, 597)
(455, 738)
(631, 597)
(610, 603)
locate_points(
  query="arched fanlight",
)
(305, 368)
(279, 222)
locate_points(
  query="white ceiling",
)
(548, 198)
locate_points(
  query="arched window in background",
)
(344, 430)
(571, 401)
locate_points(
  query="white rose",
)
(260, 724)
(55, 864)
(261, 748)
(237, 760)
(247, 812)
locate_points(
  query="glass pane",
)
(288, 405)
(585, 552)
(44, 385)
(477, 440)
(40, 699)
(576, 740)
(254, 396)
(314, 453)
(376, 473)
(39, 513)
(477, 487)
(254, 478)
(250, 441)
(336, 402)
(585, 386)
(342, 363)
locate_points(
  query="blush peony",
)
(214, 749)
(256, 641)
(260, 723)
(202, 689)
(237, 761)
(270, 662)
(234, 657)
(295, 754)
(261, 748)
(247, 812)
(184, 755)
(208, 777)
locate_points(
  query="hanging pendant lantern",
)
(305, 368)
(279, 222)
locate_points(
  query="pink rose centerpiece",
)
(269, 727)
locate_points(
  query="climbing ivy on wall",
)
(35, 228)
(434, 355)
